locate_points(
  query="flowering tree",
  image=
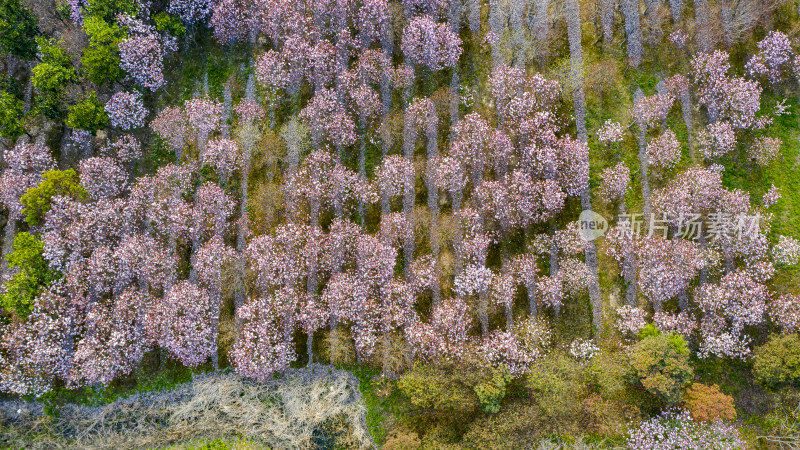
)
(170, 125)
(774, 58)
(737, 301)
(631, 320)
(786, 251)
(784, 312)
(449, 174)
(181, 323)
(615, 182)
(204, 116)
(230, 20)
(502, 348)
(212, 209)
(224, 155)
(732, 98)
(113, 342)
(34, 353)
(716, 139)
(395, 176)
(666, 267)
(126, 148)
(210, 263)
(676, 429)
(765, 150)
(771, 197)
(430, 44)
(610, 132)
(142, 53)
(328, 118)
(371, 18)
(650, 111)
(103, 177)
(190, 11)
(472, 143)
(25, 165)
(446, 336)
(126, 110)
(263, 346)
(664, 151)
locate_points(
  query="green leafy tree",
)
(11, 115)
(660, 364)
(169, 24)
(101, 57)
(108, 9)
(17, 30)
(777, 362)
(52, 75)
(37, 200)
(441, 388)
(34, 274)
(491, 392)
(556, 382)
(89, 115)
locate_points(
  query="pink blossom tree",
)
(615, 182)
(664, 151)
(113, 341)
(224, 155)
(35, 353)
(181, 323)
(103, 177)
(126, 110)
(430, 44)
(210, 262)
(170, 125)
(264, 345)
(774, 58)
(716, 139)
(204, 116)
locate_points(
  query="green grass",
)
(376, 407)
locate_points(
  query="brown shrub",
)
(707, 403)
(339, 347)
(402, 439)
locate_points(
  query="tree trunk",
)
(362, 172)
(607, 10)
(241, 235)
(643, 163)
(432, 150)
(633, 31)
(629, 269)
(310, 347)
(498, 19)
(474, 16)
(701, 24)
(554, 269)
(8, 241)
(227, 105)
(483, 311)
(676, 8)
(217, 298)
(576, 65)
(686, 109)
(533, 310)
(409, 142)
